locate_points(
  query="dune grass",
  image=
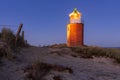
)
(8, 37)
(98, 52)
(90, 51)
(7, 43)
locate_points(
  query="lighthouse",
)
(75, 30)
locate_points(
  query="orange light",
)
(75, 16)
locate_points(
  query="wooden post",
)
(23, 35)
(18, 33)
(23, 42)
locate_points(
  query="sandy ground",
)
(83, 69)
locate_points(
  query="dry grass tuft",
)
(39, 70)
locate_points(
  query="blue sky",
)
(44, 21)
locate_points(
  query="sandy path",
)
(83, 69)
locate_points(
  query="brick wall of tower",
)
(75, 34)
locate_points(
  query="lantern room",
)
(75, 16)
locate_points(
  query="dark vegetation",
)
(39, 70)
(58, 46)
(8, 44)
(55, 46)
(90, 51)
(9, 37)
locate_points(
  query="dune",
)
(63, 66)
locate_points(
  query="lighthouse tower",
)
(75, 30)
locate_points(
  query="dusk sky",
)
(44, 21)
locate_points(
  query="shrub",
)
(8, 37)
(5, 51)
(58, 46)
(98, 52)
(7, 43)
(39, 70)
